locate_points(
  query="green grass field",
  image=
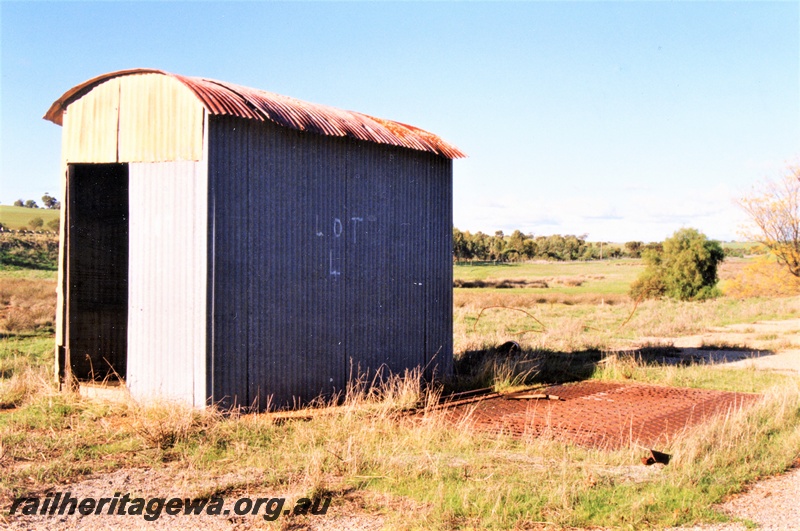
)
(599, 277)
(17, 218)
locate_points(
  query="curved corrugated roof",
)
(221, 98)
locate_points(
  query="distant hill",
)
(17, 218)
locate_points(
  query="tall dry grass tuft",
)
(26, 304)
(500, 371)
(164, 424)
(25, 386)
(740, 439)
(385, 391)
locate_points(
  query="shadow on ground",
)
(480, 368)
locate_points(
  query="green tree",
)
(30, 203)
(50, 202)
(517, 241)
(461, 249)
(19, 202)
(497, 246)
(634, 249)
(686, 269)
(479, 245)
(529, 248)
(36, 223)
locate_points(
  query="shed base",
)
(112, 391)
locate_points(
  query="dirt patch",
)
(603, 414)
(345, 511)
(769, 345)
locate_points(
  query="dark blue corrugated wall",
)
(328, 257)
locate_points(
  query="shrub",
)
(634, 248)
(649, 285)
(686, 268)
(36, 223)
(763, 278)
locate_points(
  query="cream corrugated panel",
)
(90, 125)
(167, 281)
(160, 120)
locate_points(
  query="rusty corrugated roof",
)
(221, 98)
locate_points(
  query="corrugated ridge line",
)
(256, 188)
(239, 190)
(418, 166)
(293, 342)
(250, 172)
(446, 285)
(428, 292)
(442, 346)
(268, 346)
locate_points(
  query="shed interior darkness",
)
(96, 248)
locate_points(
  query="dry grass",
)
(25, 385)
(422, 470)
(596, 326)
(26, 304)
(466, 298)
(366, 442)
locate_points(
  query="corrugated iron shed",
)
(226, 245)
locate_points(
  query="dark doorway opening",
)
(96, 268)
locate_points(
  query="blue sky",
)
(622, 120)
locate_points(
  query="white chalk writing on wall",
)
(337, 230)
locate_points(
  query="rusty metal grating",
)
(603, 414)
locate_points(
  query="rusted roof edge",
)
(222, 98)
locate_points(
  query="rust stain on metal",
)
(603, 414)
(222, 98)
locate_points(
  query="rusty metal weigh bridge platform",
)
(601, 414)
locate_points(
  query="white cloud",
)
(631, 215)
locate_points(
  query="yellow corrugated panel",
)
(160, 120)
(90, 125)
(137, 118)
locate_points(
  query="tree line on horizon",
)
(519, 247)
(48, 201)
